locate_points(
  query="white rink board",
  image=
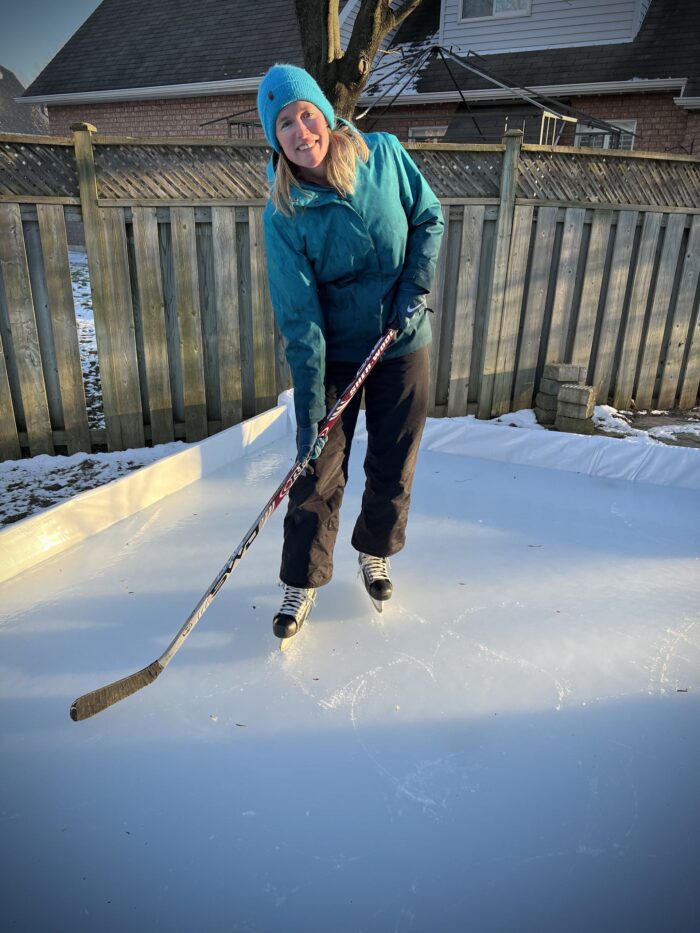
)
(513, 744)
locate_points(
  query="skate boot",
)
(296, 605)
(375, 576)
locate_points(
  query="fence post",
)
(504, 226)
(94, 243)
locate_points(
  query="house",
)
(14, 117)
(620, 73)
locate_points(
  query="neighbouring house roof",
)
(16, 118)
(666, 47)
(131, 44)
(128, 48)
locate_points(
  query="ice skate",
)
(296, 605)
(375, 576)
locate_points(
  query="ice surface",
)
(512, 744)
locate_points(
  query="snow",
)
(82, 302)
(512, 744)
(35, 483)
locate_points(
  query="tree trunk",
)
(343, 74)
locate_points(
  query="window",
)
(426, 134)
(485, 9)
(596, 137)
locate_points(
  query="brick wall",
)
(661, 125)
(181, 116)
(185, 116)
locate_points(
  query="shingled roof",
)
(667, 46)
(18, 118)
(131, 44)
(126, 44)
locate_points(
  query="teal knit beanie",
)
(282, 85)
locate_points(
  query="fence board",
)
(223, 221)
(436, 301)
(207, 308)
(565, 283)
(465, 309)
(54, 247)
(659, 310)
(533, 319)
(189, 321)
(98, 261)
(614, 302)
(25, 339)
(263, 317)
(120, 362)
(512, 304)
(592, 287)
(504, 227)
(671, 381)
(152, 308)
(690, 384)
(9, 439)
(639, 299)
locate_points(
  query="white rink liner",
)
(54, 530)
(512, 745)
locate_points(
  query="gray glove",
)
(406, 307)
(308, 441)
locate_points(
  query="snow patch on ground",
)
(31, 485)
(612, 421)
(84, 319)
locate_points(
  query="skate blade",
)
(285, 643)
(379, 606)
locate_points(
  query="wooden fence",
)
(549, 254)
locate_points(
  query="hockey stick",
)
(91, 703)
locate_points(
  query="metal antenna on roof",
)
(382, 79)
(540, 101)
(230, 116)
(459, 89)
(421, 61)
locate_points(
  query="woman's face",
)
(303, 135)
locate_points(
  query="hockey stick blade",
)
(91, 703)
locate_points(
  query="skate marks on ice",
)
(676, 660)
(426, 672)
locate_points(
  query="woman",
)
(352, 233)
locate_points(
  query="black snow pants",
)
(396, 403)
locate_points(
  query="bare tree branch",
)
(343, 75)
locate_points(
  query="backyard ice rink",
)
(512, 745)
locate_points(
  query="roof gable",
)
(666, 46)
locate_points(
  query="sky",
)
(34, 30)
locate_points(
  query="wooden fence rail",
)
(549, 254)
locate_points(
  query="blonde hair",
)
(344, 147)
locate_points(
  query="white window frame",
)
(627, 126)
(429, 130)
(510, 14)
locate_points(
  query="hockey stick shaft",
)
(91, 703)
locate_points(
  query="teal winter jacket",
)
(338, 266)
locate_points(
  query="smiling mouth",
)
(306, 147)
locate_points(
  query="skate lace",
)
(294, 599)
(376, 568)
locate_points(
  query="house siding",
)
(643, 7)
(551, 24)
(347, 21)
